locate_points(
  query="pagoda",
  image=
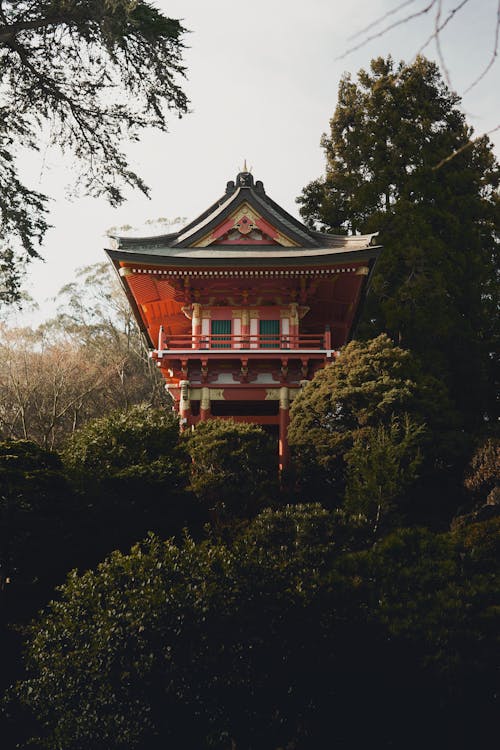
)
(243, 305)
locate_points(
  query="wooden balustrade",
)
(244, 341)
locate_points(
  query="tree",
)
(48, 387)
(383, 462)
(91, 73)
(131, 472)
(94, 311)
(36, 512)
(435, 288)
(233, 470)
(123, 443)
(89, 360)
(35, 507)
(439, 16)
(483, 478)
(362, 402)
(437, 594)
(283, 638)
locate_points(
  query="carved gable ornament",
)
(245, 226)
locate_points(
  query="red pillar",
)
(245, 329)
(196, 325)
(184, 404)
(205, 404)
(284, 419)
(328, 338)
(294, 326)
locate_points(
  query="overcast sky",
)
(262, 80)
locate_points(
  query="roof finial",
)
(245, 178)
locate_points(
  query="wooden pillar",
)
(328, 338)
(161, 339)
(245, 329)
(294, 326)
(205, 404)
(196, 325)
(184, 404)
(284, 419)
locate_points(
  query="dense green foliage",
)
(95, 73)
(435, 288)
(35, 506)
(286, 627)
(352, 618)
(381, 465)
(130, 472)
(368, 426)
(233, 470)
(280, 639)
(141, 441)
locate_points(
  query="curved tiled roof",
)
(307, 242)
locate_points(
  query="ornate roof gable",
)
(244, 223)
(246, 216)
(245, 226)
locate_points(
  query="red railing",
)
(244, 341)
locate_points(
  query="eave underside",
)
(158, 291)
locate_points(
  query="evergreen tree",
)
(95, 73)
(365, 419)
(283, 638)
(233, 470)
(435, 288)
(130, 473)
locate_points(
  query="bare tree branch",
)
(440, 23)
(391, 26)
(493, 56)
(379, 20)
(464, 147)
(436, 35)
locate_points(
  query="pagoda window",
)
(221, 334)
(269, 331)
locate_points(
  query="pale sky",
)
(262, 80)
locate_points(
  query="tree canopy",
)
(140, 440)
(86, 75)
(361, 424)
(87, 361)
(233, 470)
(35, 508)
(278, 639)
(130, 471)
(435, 289)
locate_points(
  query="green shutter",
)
(221, 332)
(269, 334)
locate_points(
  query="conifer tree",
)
(89, 75)
(389, 168)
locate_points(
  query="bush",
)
(131, 472)
(35, 508)
(375, 398)
(279, 639)
(234, 468)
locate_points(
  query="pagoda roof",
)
(248, 237)
(244, 224)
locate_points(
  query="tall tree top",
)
(401, 158)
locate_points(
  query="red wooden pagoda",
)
(242, 306)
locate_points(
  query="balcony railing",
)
(244, 341)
